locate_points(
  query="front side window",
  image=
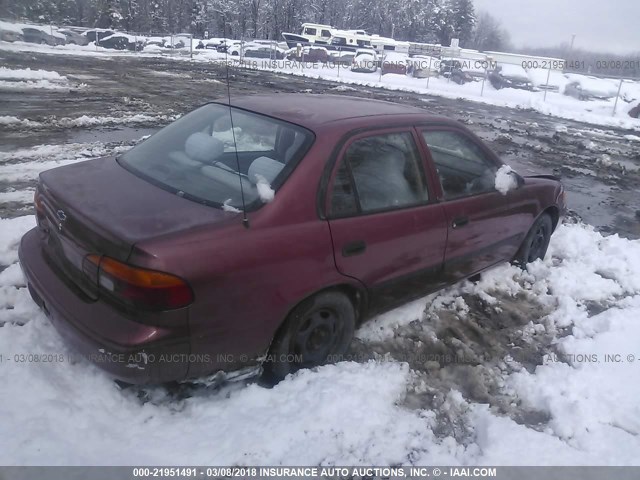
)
(202, 158)
(310, 31)
(377, 173)
(462, 166)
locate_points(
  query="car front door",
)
(485, 226)
(387, 229)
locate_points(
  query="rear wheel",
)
(536, 242)
(316, 332)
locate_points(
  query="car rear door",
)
(387, 229)
(485, 227)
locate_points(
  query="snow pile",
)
(8, 120)
(265, 192)
(26, 79)
(85, 121)
(28, 74)
(227, 207)
(505, 181)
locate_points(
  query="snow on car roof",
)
(390, 56)
(604, 86)
(131, 38)
(18, 27)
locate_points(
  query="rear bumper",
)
(100, 333)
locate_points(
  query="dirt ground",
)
(599, 166)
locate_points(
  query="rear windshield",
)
(198, 157)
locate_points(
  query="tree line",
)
(432, 21)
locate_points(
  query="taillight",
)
(38, 205)
(140, 287)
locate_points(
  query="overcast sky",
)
(599, 25)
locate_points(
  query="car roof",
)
(313, 111)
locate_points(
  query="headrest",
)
(203, 147)
(266, 167)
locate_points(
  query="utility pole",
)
(573, 37)
(393, 28)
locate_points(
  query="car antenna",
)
(245, 220)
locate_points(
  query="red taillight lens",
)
(37, 203)
(139, 287)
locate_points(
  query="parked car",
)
(394, 62)
(311, 54)
(146, 263)
(231, 47)
(97, 34)
(74, 38)
(11, 34)
(501, 78)
(422, 66)
(452, 69)
(213, 44)
(35, 35)
(365, 61)
(576, 90)
(120, 41)
(155, 42)
(341, 57)
(261, 50)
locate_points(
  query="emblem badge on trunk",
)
(61, 217)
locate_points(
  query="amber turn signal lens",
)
(141, 287)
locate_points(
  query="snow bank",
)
(28, 74)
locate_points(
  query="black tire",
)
(316, 332)
(536, 242)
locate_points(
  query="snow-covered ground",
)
(365, 412)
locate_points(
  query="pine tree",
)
(464, 19)
(110, 15)
(442, 22)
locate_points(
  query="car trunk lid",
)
(98, 207)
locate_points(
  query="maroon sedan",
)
(259, 236)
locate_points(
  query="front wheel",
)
(316, 332)
(536, 242)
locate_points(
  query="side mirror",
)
(519, 178)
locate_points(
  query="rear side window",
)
(462, 166)
(379, 173)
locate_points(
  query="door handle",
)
(459, 222)
(354, 248)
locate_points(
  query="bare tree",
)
(489, 34)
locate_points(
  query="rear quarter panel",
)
(246, 280)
